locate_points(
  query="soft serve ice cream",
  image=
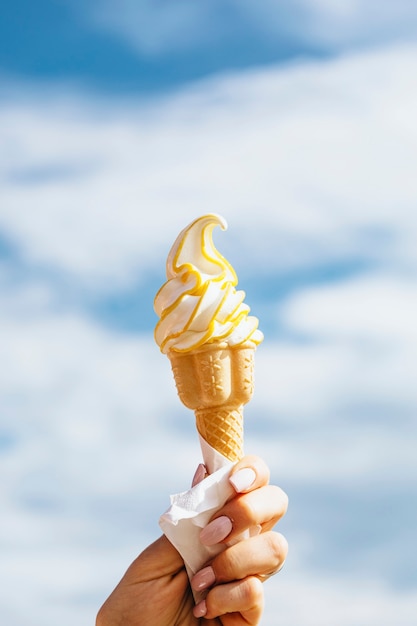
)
(199, 304)
(206, 331)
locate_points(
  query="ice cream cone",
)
(216, 380)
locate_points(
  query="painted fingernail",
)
(243, 479)
(216, 531)
(200, 609)
(200, 474)
(203, 579)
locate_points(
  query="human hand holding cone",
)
(210, 339)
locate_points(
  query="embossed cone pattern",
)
(215, 381)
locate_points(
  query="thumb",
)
(156, 561)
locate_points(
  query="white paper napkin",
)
(191, 510)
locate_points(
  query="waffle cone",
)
(216, 381)
(222, 428)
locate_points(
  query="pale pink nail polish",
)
(243, 479)
(200, 609)
(203, 579)
(216, 531)
(199, 475)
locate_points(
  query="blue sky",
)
(121, 123)
(62, 41)
(144, 46)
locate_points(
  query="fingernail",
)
(200, 474)
(203, 579)
(200, 609)
(216, 531)
(243, 479)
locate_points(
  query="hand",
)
(156, 589)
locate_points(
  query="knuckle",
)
(278, 548)
(281, 500)
(251, 591)
(242, 511)
(227, 565)
(246, 509)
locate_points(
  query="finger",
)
(260, 508)
(127, 595)
(261, 556)
(249, 473)
(241, 603)
(200, 474)
(160, 551)
(263, 507)
(258, 556)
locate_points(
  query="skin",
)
(156, 585)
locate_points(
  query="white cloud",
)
(154, 29)
(372, 307)
(364, 340)
(322, 155)
(322, 383)
(182, 25)
(310, 165)
(89, 410)
(315, 600)
(352, 23)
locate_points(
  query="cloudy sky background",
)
(119, 124)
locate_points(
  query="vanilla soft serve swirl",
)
(199, 303)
